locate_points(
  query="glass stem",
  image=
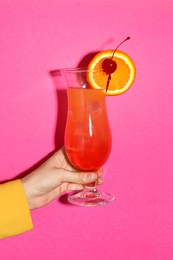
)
(91, 191)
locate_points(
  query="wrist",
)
(27, 193)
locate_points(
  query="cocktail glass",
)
(87, 135)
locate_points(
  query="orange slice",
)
(121, 79)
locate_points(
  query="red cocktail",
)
(87, 135)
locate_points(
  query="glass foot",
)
(90, 197)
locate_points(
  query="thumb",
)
(77, 177)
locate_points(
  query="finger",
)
(100, 172)
(77, 177)
(99, 181)
(76, 187)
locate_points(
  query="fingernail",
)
(93, 176)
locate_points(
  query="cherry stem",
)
(128, 38)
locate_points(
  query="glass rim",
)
(80, 69)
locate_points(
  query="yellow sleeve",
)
(15, 215)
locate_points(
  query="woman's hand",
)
(54, 177)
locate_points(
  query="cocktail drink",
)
(87, 137)
(87, 134)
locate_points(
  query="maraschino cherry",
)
(109, 65)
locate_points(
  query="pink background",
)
(37, 37)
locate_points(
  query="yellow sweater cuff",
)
(15, 215)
